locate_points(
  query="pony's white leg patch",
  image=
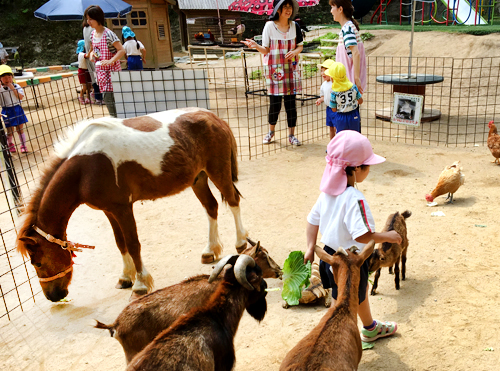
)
(144, 281)
(214, 245)
(241, 233)
(128, 268)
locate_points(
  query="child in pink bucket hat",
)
(344, 219)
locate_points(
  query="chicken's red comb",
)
(490, 123)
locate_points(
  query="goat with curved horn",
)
(240, 270)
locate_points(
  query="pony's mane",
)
(29, 217)
(72, 134)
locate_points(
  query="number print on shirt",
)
(345, 100)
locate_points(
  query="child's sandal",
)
(382, 329)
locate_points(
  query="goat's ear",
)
(367, 251)
(323, 255)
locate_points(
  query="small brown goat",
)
(388, 254)
(335, 343)
(202, 340)
(143, 319)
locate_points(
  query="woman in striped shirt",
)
(350, 51)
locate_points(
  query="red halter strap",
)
(66, 245)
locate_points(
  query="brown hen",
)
(494, 142)
(450, 179)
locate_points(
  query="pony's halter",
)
(66, 245)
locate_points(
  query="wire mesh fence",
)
(458, 108)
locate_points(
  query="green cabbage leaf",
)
(295, 277)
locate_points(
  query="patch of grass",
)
(309, 70)
(255, 75)
(366, 36)
(328, 36)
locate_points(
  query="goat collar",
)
(66, 245)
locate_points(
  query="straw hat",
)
(347, 148)
(337, 72)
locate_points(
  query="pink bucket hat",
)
(347, 148)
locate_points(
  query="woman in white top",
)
(281, 44)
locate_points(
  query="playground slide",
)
(462, 14)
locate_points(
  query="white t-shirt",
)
(326, 91)
(131, 47)
(7, 97)
(342, 218)
(82, 62)
(271, 32)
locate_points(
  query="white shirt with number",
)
(345, 101)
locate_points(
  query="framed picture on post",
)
(407, 109)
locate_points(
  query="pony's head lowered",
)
(53, 264)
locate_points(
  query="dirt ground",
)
(446, 309)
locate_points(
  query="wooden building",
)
(197, 16)
(151, 25)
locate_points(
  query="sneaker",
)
(268, 138)
(382, 329)
(99, 102)
(12, 148)
(24, 149)
(81, 100)
(293, 140)
(87, 101)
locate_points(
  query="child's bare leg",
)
(88, 89)
(333, 131)
(364, 311)
(10, 139)
(22, 138)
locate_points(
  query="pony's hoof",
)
(207, 258)
(137, 294)
(123, 284)
(241, 248)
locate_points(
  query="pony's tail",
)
(103, 326)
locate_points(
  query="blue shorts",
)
(347, 121)
(329, 117)
(15, 116)
(134, 63)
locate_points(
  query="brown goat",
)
(388, 254)
(143, 319)
(202, 340)
(335, 343)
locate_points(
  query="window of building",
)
(139, 18)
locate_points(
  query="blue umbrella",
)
(72, 10)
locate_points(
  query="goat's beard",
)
(258, 309)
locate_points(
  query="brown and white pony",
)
(109, 164)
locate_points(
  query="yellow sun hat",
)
(337, 72)
(4, 70)
(327, 63)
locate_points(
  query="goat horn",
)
(342, 251)
(240, 270)
(218, 267)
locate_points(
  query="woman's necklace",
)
(277, 25)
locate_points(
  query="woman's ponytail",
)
(355, 22)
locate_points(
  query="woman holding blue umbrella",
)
(106, 51)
